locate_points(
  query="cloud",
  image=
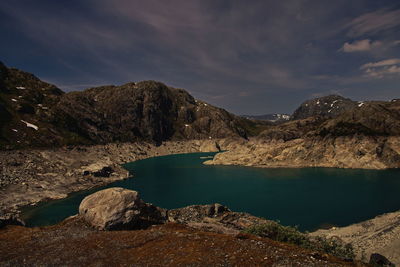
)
(380, 69)
(360, 46)
(382, 63)
(382, 72)
(374, 22)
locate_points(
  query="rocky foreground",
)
(209, 235)
(381, 235)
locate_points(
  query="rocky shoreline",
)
(210, 235)
(33, 175)
(358, 151)
(378, 235)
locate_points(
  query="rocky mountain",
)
(275, 117)
(327, 106)
(363, 135)
(35, 113)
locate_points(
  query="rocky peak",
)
(327, 106)
(35, 113)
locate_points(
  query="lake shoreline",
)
(54, 173)
(34, 175)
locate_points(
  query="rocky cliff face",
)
(146, 110)
(35, 113)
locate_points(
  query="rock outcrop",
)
(118, 208)
(365, 136)
(362, 152)
(9, 219)
(378, 235)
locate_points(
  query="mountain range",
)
(34, 113)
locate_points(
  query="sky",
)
(249, 57)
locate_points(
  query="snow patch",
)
(14, 100)
(360, 104)
(318, 102)
(20, 87)
(30, 125)
(15, 130)
(186, 125)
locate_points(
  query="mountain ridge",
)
(38, 114)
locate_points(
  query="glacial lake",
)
(310, 198)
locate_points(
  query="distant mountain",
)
(35, 113)
(333, 116)
(268, 117)
(327, 106)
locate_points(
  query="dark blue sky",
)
(250, 57)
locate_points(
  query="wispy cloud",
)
(360, 46)
(382, 63)
(374, 22)
(221, 51)
(382, 68)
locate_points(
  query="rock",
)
(379, 260)
(117, 209)
(104, 172)
(196, 213)
(10, 219)
(327, 106)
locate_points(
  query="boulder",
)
(118, 209)
(379, 260)
(10, 219)
(104, 172)
(196, 213)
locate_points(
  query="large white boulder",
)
(112, 209)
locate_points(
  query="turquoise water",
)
(308, 197)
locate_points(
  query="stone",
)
(379, 260)
(111, 209)
(10, 219)
(104, 172)
(119, 209)
(196, 213)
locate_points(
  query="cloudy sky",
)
(249, 57)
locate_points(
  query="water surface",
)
(308, 197)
